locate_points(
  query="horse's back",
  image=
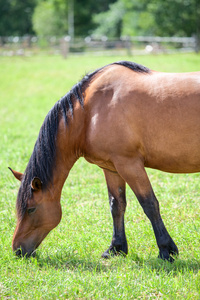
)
(155, 116)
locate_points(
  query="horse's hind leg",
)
(117, 200)
(133, 172)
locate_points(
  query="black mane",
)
(42, 160)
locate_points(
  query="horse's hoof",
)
(168, 258)
(167, 255)
(106, 255)
(111, 252)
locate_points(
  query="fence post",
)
(197, 48)
(64, 46)
(128, 45)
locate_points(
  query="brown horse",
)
(123, 118)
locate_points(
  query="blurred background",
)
(99, 27)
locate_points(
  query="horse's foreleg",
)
(117, 200)
(133, 172)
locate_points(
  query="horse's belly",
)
(170, 134)
(174, 158)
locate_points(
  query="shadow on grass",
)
(73, 262)
(176, 267)
(159, 265)
(70, 261)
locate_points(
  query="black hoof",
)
(169, 251)
(113, 251)
(167, 257)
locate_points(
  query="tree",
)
(110, 22)
(175, 17)
(83, 15)
(150, 17)
(49, 19)
(16, 17)
(138, 19)
(125, 17)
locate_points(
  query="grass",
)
(68, 263)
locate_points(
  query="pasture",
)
(68, 263)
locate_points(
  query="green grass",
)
(68, 263)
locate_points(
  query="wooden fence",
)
(31, 45)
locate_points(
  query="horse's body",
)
(155, 117)
(122, 118)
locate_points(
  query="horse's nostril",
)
(18, 252)
(21, 253)
(33, 254)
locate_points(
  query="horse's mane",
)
(42, 160)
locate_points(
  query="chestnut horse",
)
(123, 118)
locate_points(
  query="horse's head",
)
(41, 214)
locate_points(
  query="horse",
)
(124, 118)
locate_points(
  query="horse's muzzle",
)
(20, 252)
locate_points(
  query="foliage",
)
(109, 22)
(176, 17)
(124, 18)
(68, 264)
(49, 19)
(15, 17)
(113, 18)
(154, 17)
(138, 19)
(83, 15)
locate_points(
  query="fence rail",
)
(31, 45)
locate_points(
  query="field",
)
(68, 264)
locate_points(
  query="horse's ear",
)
(36, 184)
(17, 175)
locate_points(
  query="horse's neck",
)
(68, 150)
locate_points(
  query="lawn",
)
(68, 264)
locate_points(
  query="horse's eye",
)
(31, 210)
